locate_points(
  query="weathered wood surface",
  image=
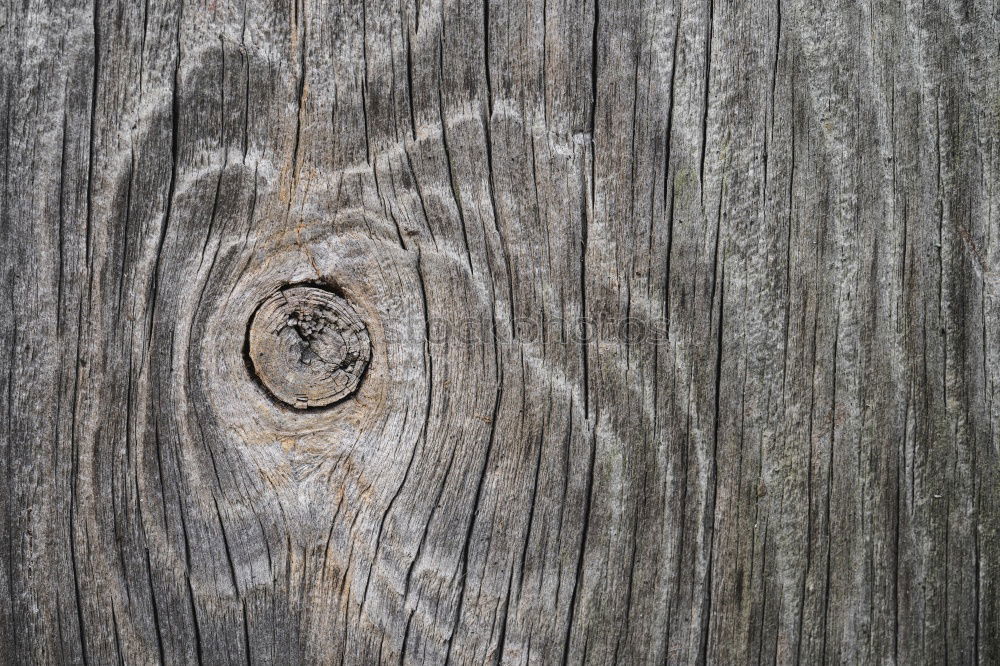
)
(685, 326)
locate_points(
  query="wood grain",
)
(684, 322)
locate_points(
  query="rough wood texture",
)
(685, 326)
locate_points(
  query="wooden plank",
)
(683, 323)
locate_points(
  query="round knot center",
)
(308, 346)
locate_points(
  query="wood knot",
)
(308, 347)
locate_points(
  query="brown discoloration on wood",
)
(795, 462)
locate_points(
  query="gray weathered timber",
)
(684, 322)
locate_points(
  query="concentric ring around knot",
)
(308, 346)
